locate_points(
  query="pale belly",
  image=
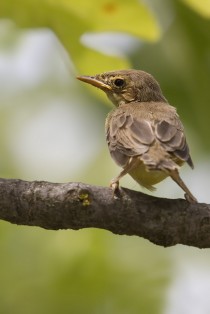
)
(147, 178)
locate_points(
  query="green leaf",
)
(202, 7)
(71, 19)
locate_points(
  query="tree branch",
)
(75, 206)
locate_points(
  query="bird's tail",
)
(156, 159)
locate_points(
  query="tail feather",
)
(163, 163)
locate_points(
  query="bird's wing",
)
(129, 136)
(173, 139)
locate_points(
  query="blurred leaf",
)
(70, 19)
(183, 69)
(201, 7)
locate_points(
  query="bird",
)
(144, 133)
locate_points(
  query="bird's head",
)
(126, 86)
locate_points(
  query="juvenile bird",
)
(144, 133)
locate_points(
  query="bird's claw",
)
(190, 199)
(114, 185)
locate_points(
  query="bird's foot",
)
(114, 185)
(190, 198)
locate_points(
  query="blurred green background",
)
(52, 128)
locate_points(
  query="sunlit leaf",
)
(70, 19)
(202, 7)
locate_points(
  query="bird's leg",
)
(132, 163)
(188, 195)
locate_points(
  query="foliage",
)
(70, 19)
(202, 7)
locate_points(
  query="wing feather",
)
(173, 140)
(132, 136)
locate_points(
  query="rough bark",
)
(54, 206)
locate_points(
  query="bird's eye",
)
(119, 82)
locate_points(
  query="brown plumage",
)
(144, 133)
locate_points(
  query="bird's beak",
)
(94, 81)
